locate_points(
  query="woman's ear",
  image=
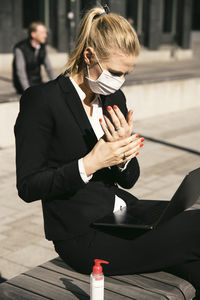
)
(89, 56)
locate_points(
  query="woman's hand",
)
(118, 127)
(107, 154)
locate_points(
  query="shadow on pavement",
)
(5, 79)
(171, 145)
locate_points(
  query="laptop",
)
(148, 214)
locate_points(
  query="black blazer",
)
(52, 132)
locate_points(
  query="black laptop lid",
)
(185, 196)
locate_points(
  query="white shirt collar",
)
(81, 93)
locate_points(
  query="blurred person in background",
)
(29, 55)
(131, 21)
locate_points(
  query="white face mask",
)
(106, 84)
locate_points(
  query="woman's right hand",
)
(107, 154)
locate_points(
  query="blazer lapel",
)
(74, 104)
(106, 101)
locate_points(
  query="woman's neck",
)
(83, 84)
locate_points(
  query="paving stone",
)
(162, 194)
(18, 204)
(36, 229)
(4, 228)
(25, 219)
(4, 251)
(6, 220)
(139, 192)
(31, 256)
(2, 236)
(5, 211)
(18, 238)
(45, 244)
(190, 140)
(10, 269)
(37, 220)
(33, 210)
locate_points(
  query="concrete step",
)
(59, 59)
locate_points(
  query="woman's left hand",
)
(118, 127)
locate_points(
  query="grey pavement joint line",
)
(144, 288)
(34, 293)
(174, 286)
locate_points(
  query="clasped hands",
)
(117, 146)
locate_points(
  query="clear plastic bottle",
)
(97, 280)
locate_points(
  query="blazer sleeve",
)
(33, 131)
(130, 175)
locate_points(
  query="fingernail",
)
(142, 139)
(137, 135)
(131, 112)
(141, 145)
(109, 108)
(137, 153)
(100, 120)
(115, 106)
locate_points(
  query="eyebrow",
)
(117, 72)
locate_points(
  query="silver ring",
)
(118, 128)
(124, 156)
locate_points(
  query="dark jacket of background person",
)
(52, 132)
(33, 64)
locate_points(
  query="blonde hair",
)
(102, 33)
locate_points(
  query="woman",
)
(74, 146)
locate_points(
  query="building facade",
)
(157, 22)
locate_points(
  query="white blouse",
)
(97, 113)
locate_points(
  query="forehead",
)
(41, 28)
(121, 62)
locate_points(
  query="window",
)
(33, 11)
(196, 15)
(168, 15)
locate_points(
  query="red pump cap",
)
(97, 268)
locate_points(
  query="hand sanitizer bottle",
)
(97, 281)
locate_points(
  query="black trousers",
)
(174, 247)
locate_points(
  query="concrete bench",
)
(56, 280)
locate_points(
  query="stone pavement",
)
(164, 166)
(22, 242)
(7, 92)
(164, 71)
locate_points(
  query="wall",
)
(154, 99)
(146, 100)
(10, 24)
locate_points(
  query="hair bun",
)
(106, 11)
(106, 8)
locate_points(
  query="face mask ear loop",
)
(98, 62)
(88, 71)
